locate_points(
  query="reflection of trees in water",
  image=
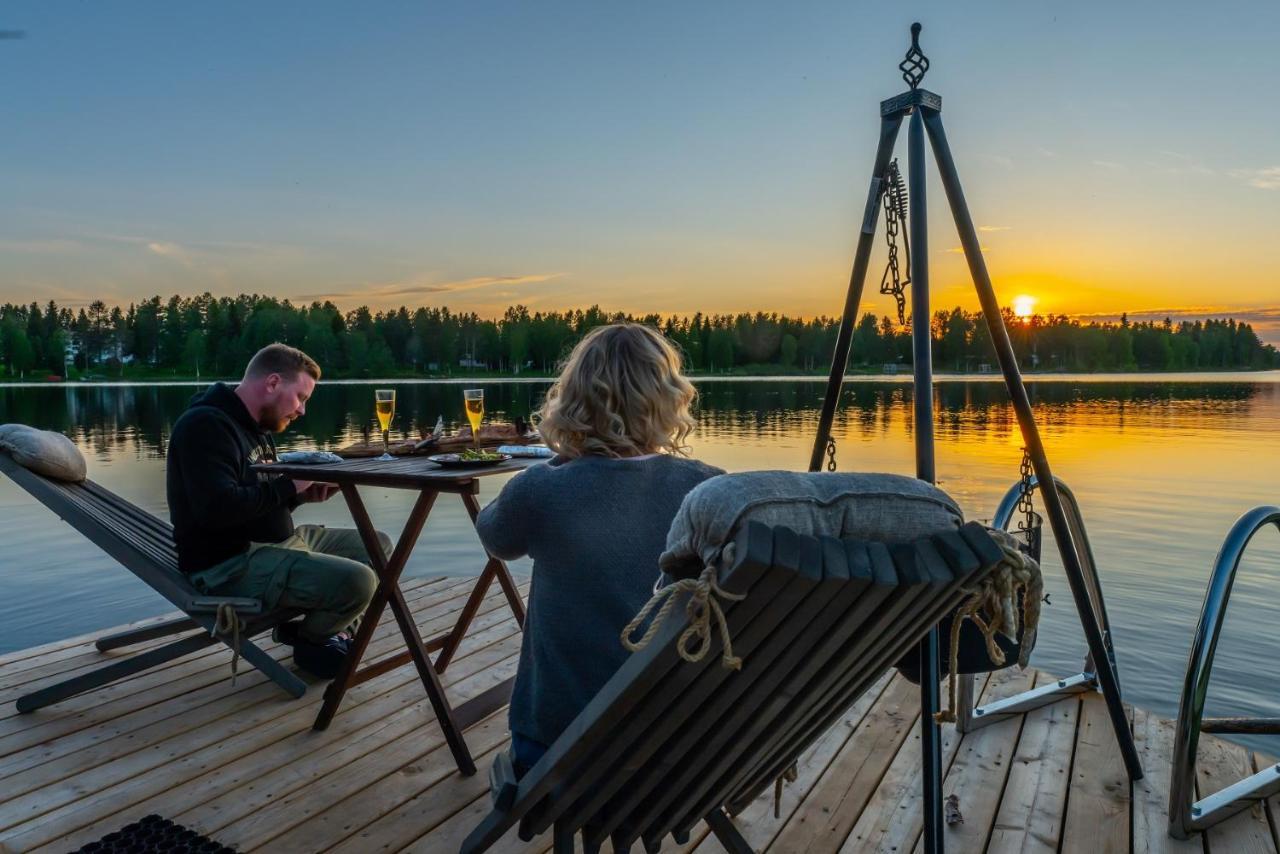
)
(114, 419)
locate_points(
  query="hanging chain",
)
(895, 279)
(831, 454)
(1026, 526)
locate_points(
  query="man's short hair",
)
(284, 360)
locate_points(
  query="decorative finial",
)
(916, 63)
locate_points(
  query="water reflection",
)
(1161, 468)
(106, 420)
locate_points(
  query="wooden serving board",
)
(491, 436)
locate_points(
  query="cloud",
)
(375, 292)
(994, 227)
(1263, 179)
(959, 250)
(999, 159)
(170, 250)
(1109, 164)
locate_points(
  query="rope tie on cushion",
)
(992, 605)
(702, 609)
(226, 621)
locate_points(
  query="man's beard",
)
(274, 422)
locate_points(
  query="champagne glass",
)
(474, 399)
(385, 407)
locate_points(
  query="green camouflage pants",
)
(322, 571)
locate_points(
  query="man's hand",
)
(317, 492)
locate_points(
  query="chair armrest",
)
(209, 604)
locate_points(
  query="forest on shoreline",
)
(206, 336)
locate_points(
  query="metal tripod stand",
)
(925, 110)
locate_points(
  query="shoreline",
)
(1268, 376)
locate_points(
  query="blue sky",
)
(665, 157)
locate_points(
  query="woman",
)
(594, 520)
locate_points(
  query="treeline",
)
(215, 336)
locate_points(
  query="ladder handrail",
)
(1186, 816)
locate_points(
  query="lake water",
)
(1162, 466)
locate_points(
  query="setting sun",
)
(1024, 306)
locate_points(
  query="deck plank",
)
(405, 804)
(979, 771)
(244, 767)
(1272, 804)
(892, 818)
(266, 718)
(46, 762)
(157, 684)
(1219, 764)
(85, 657)
(1034, 802)
(829, 811)
(214, 770)
(796, 807)
(1154, 738)
(1098, 801)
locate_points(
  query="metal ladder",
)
(1186, 814)
(970, 717)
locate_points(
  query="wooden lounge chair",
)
(667, 742)
(143, 543)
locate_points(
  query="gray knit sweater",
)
(594, 527)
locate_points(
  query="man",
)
(234, 527)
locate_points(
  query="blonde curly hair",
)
(619, 394)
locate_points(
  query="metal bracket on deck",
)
(970, 717)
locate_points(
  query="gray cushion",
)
(43, 452)
(886, 507)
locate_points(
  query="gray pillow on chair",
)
(43, 452)
(886, 507)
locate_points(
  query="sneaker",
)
(286, 633)
(322, 660)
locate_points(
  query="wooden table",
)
(429, 480)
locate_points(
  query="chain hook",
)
(1026, 526)
(896, 276)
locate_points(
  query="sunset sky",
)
(660, 156)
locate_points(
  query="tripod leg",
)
(862, 255)
(1031, 435)
(922, 367)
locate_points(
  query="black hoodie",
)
(217, 504)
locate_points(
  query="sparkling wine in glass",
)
(385, 407)
(474, 399)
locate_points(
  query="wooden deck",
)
(241, 764)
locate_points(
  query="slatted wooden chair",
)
(143, 544)
(668, 742)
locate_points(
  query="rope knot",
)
(226, 621)
(991, 607)
(702, 609)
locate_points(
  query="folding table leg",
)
(388, 593)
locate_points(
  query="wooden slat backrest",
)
(667, 741)
(140, 541)
(781, 701)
